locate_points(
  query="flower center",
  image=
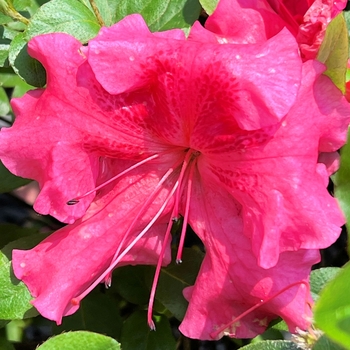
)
(181, 188)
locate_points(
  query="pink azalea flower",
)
(138, 129)
(307, 20)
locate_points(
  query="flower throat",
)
(182, 187)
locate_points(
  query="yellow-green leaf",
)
(334, 51)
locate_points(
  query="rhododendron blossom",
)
(307, 20)
(149, 128)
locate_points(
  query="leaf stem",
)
(7, 9)
(97, 13)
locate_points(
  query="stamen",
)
(77, 199)
(179, 190)
(127, 249)
(215, 334)
(187, 209)
(156, 276)
(145, 206)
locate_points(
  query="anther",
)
(72, 202)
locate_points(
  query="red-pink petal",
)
(47, 131)
(291, 156)
(231, 281)
(244, 22)
(72, 258)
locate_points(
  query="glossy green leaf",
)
(136, 334)
(209, 5)
(65, 16)
(9, 181)
(332, 309)
(334, 51)
(14, 295)
(272, 345)
(161, 14)
(98, 312)
(25, 66)
(80, 340)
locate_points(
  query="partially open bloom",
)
(307, 20)
(138, 129)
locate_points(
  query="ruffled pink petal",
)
(291, 156)
(72, 258)
(75, 121)
(231, 281)
(129, 45)
(48, 130)
(331, 161)
(192, 82)
(230, 18)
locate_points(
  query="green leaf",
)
(28, 68)
(320, 277)
(334, 51)
(279, 325)
(209, 5)
(326, 344)
(174, 278)
(11, 232)
(136, 334)
(272, 345)
(107, 9)
(98, 312)
(133, 283)
(9, 181)
(4, 343)
(65, 16)
(4, 103)
(80, 340)
(14, 295)
(4, 52)
(26, 242)
(332, 309)
(8, 78)
(161, 14)
(342, 182)
(347, 21)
